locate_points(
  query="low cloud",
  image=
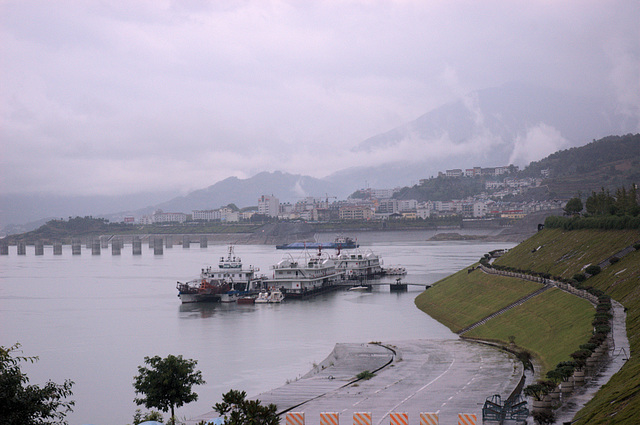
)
(538, 142)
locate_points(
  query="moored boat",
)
(271, 296)
(340, 242)
(226, 283)
(307, 275)
(359, 265)
(394, 271)
(202, 290)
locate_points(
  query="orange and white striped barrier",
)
(329, 418)
(399, 418)
(429, 418)
(362, 418)
(295, 418)
(467, 419)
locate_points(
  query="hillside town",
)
(383, 204)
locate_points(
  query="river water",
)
(93, 319)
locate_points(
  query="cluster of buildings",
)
(379, 204)
(316, 209)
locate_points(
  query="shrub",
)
(613, 260)
(579, 277)
(365, 375)
(592, 270)
(637, 246)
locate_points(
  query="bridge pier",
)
(116, 246)
(136, 246)
(157, 246)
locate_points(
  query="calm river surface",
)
(93, 319)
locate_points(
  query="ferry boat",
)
(306, 275)
(340, 242)
(358, 264)
(226, 283)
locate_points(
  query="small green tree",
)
(237, 410)
(23, 404)
(574, 206)
(166, 383)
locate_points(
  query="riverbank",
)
(563, 254)
(88, 229)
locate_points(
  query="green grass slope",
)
(465, 298)
(551, 325)
(565, 253)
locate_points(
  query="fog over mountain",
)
(514, 123)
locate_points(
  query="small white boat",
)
(359, 288)
(272, 296)
(395, 271)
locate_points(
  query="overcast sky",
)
(111, 97)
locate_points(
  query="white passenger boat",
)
(308, 274)
(357, 264)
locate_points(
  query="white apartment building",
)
(423, 211)
(163, 217)
(407, 205)
(206, 215)
(387, 206)
(269, 205)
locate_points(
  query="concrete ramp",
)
(340, 368)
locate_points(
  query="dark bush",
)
(592, 270)
(598, 338)
(613, 260)
(579, 277)
(588, 346)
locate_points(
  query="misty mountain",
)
(32, 209)
(245, 192)
(511, 124)
(514, 123)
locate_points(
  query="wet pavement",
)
(442, 376)
(619, 352)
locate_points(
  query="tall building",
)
(269, 205)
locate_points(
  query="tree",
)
(166, 383)
(237, 410)
(24, 404)
(574, 206)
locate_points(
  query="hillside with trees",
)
(608, 163)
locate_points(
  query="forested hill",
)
(611, 162)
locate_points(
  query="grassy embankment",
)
(554, 324)
(465, 298)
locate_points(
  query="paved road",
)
(443, 376)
